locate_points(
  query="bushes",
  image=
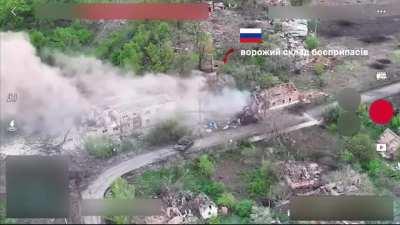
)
(149, 48)
(226, 199)
(121, 190)
(319, 69)
(167, 132)
(205, 166)
(185, 63)
(374, 167)
(373, 129)
(38, 39)
(395, 124)
(211, 188)
(267, 81)
(260, 180)
(331, 115)
(23, 14)
(362, 149)
(74, 37)
(69, 38)
(261, 215)
(130, 145)
(243, 208)
(191, 181)
(311, 42)
(99, 146)
(152, 182)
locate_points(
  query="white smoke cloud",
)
(51, 98)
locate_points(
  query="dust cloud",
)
(52, 99)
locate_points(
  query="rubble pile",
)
(184, 207)
(111, 122)
(329, 62)
(301, 176)
(295, 28)
(335, 189)
(294, 32)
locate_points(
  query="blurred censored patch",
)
(341, 208)
(112, 207)
(37, 187)
(334, 12)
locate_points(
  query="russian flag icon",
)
(250, 35)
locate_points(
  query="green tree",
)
(362, 148)
(23, 18)
(260, 180)
(226, 199)
(148, 49)
(205, 166)
(38, 39)
(131, 57)
(160, 56)
(311, 42)
(72, 37)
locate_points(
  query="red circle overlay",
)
(381, 112)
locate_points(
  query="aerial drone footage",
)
(199, 112)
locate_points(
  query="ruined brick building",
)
(392, 144)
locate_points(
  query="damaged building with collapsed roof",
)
(302, 176)
(279, 96)
(391, 142)
(127, 118)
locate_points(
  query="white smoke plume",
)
(52, 98)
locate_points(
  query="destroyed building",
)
(272, 98)
(391, 142)
(279, 96)
(127, 118)
(184, 207)
(112, 122)
(302, 176)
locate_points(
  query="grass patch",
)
(99, 146)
